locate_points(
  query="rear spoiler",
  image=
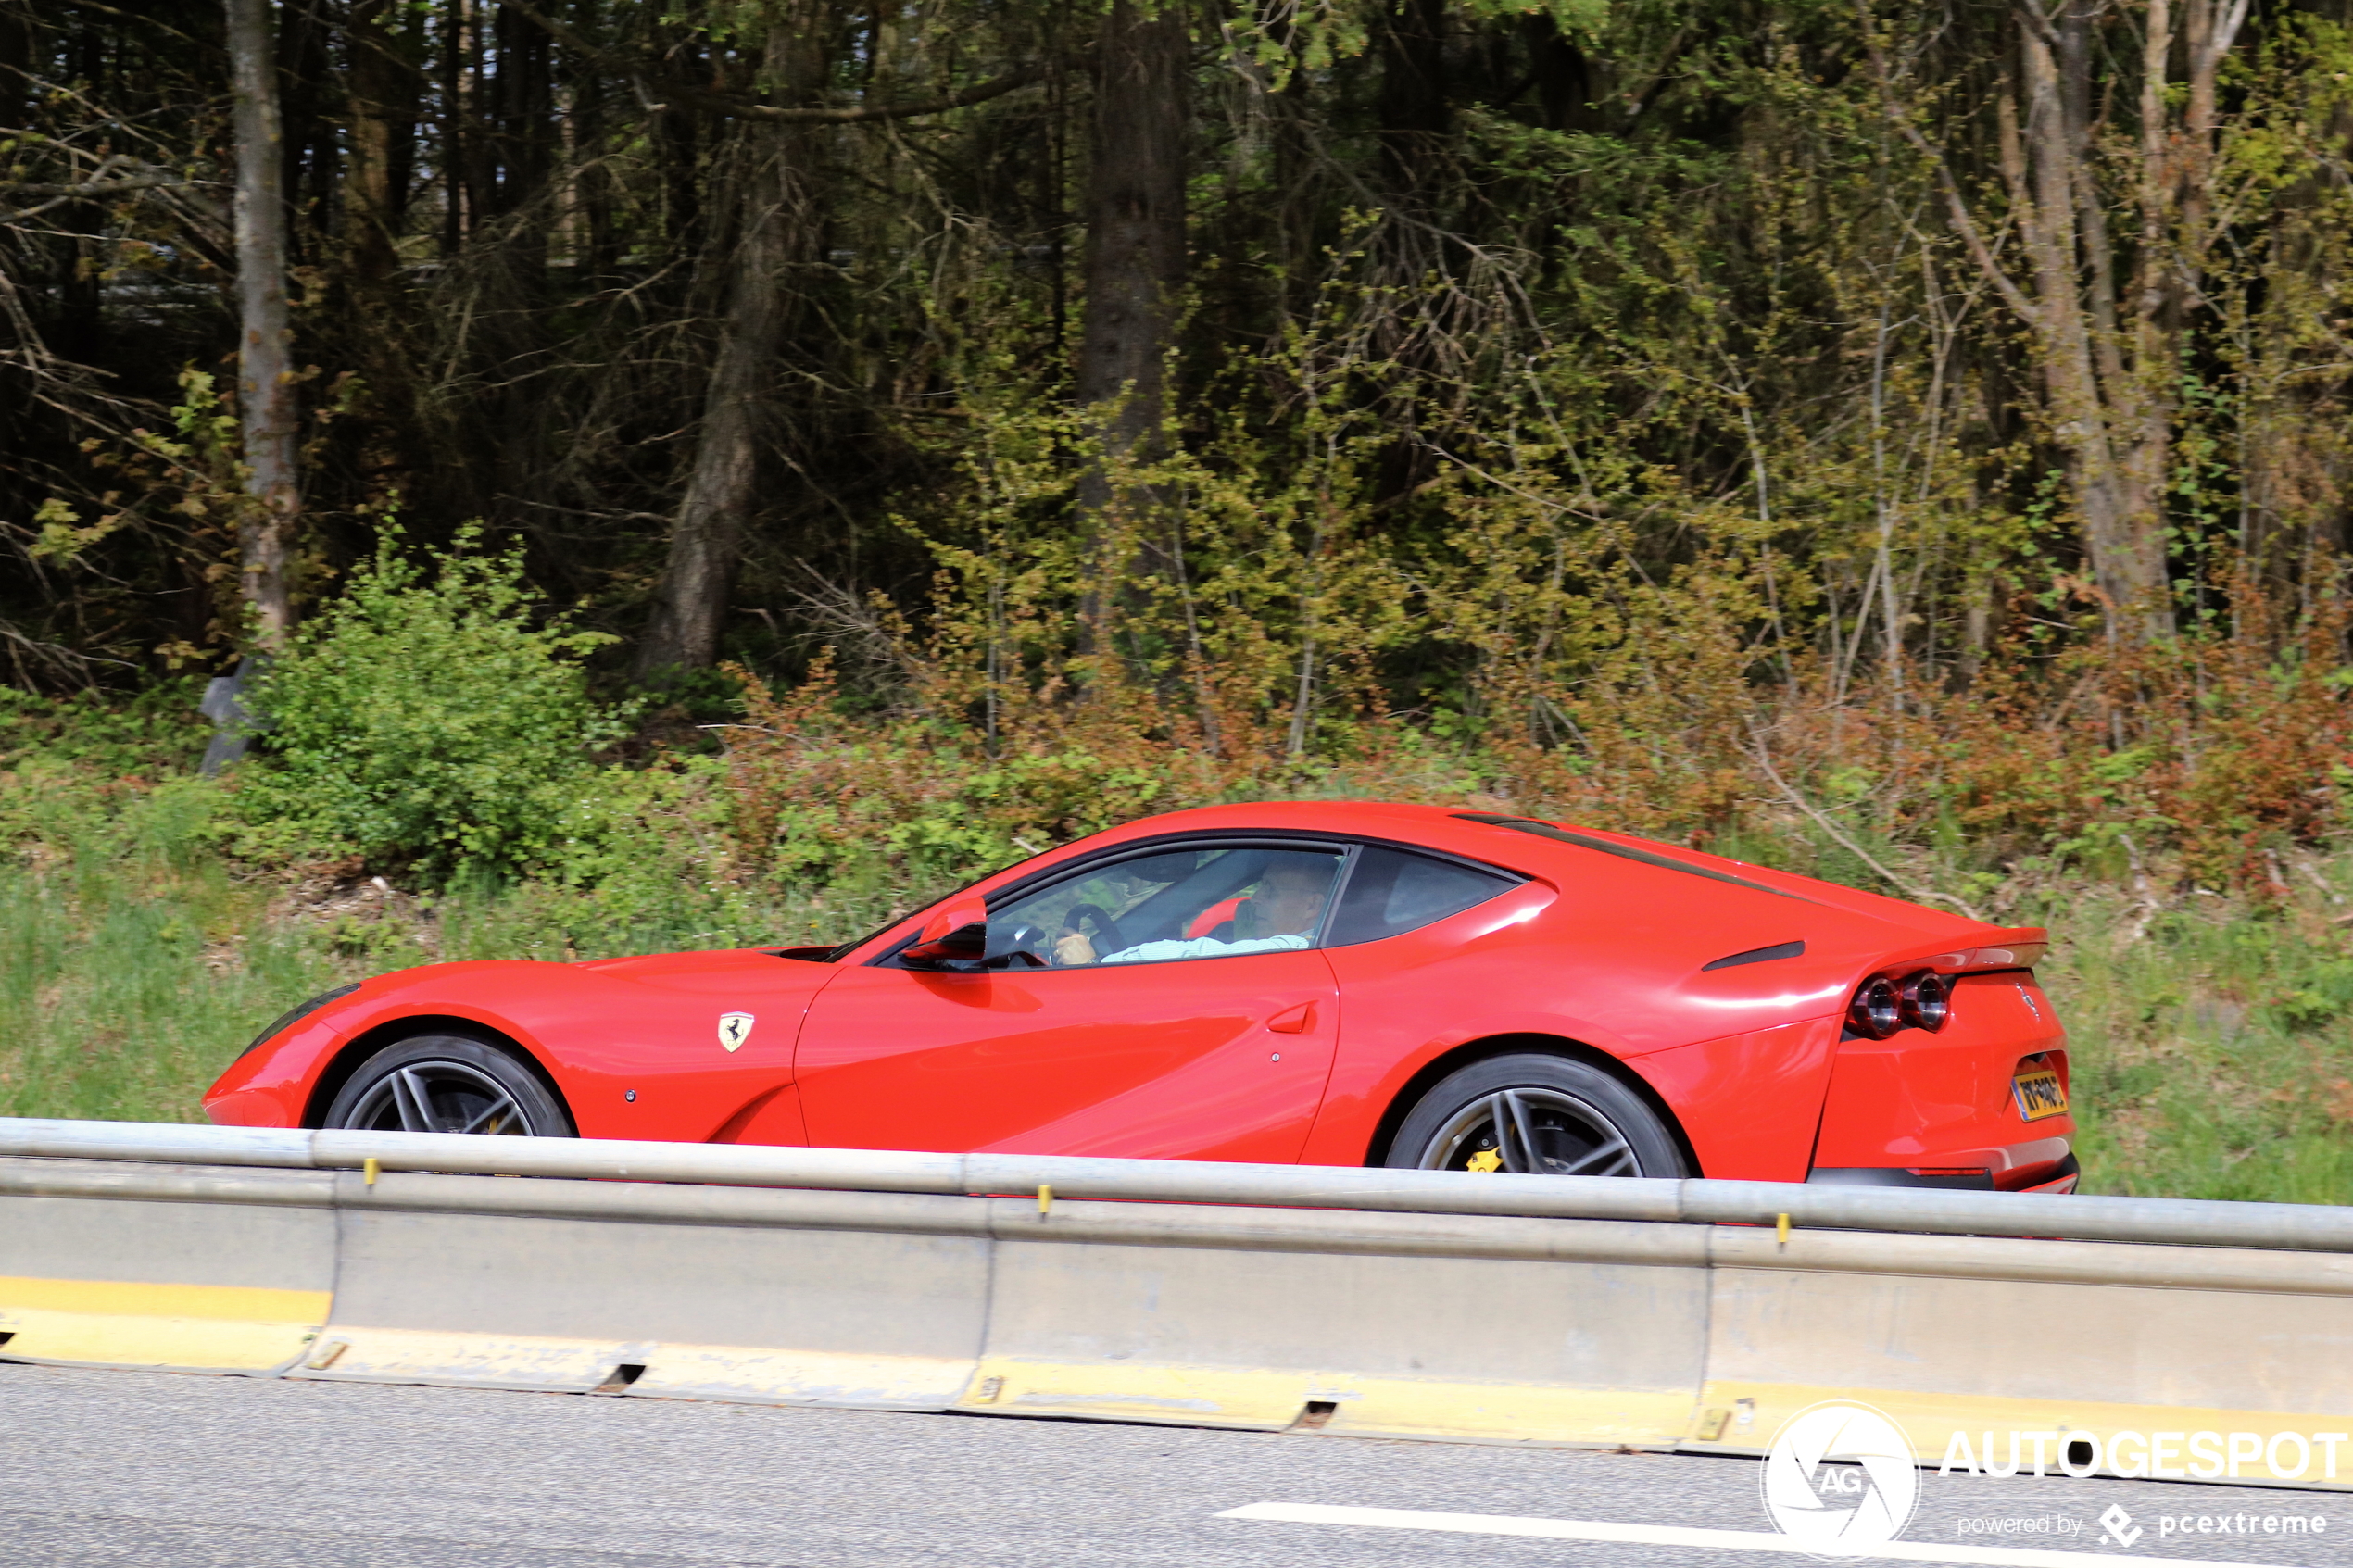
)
(2017, 946)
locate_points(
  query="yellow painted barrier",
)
(1336, 1400)
(193, 1327)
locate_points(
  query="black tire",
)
(449, 1084)
(1547, 1115)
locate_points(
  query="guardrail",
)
(1629, 1313)
(2162, 1220)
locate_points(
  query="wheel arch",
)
(355, 1051)
(1448, 1063)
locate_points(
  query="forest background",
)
(725, 471)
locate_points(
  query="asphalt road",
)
(162, 1471)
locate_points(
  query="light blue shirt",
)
(1203, 947)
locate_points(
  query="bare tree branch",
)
(670, 93)
(98, 187)
(1910, 888)
(1956, 204)
(2037, 23)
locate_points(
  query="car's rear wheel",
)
(1535, 1114)
(449, 1084)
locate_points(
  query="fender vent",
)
(1757, 955)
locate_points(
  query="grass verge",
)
(2212, 1044)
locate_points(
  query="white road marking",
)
(1685, 1536)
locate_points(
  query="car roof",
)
(1487, 835)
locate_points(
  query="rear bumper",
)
(2069, 1171)
(2060, 1175)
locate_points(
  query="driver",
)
(1280, 913)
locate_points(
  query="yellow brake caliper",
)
(1486, 1159)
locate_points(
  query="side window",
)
(1392, 891)
(1208, 903)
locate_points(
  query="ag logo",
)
(1839, 1475)
(735, 1028)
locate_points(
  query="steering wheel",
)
(1106, 929)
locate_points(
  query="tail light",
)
(1877, 1009)
(1927, 1000)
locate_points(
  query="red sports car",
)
(1328, 983)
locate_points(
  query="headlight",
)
(1876, 1010)
(1927, 1000)
(293, 1016)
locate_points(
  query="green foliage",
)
(2212, 1057)
(426, 719)
(126, 986)
(142, 735)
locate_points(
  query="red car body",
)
(1719, 991)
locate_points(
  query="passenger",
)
(1280, 914)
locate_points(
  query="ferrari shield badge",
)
(735, 1028)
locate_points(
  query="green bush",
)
(150, 734)
(429, 719)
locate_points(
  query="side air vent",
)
(1758, 955)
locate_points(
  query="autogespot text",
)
(2148, 1456)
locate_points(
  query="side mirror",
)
(1012, 946)
(958, 932)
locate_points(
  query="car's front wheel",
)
(1535, 1114)
(447, 1083)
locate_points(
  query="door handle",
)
(1293, 1020)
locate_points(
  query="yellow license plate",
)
(2039, 1093)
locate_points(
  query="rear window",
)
(1392, 891)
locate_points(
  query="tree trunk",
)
(2099, 405)
(475, 170)
(523, 113)
(1135, 225)
(383, 106)
(452, 63)
(1135, 273)
(1294, 137)
(1412, 103)
(2108, 349)
(306, 133)
(596, 189)
(775, 232)
(16, 58)
(265, 370)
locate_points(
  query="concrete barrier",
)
(223, 1271)
(1392, 1303)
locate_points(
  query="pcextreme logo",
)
(1840, 1473)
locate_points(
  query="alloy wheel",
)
(1531, 1131)
(440, 1096)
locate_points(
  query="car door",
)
(1109, 1017)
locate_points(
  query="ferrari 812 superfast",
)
(1325, 982)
